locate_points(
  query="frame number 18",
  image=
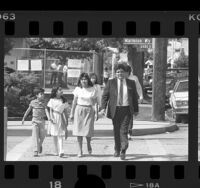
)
(55, 184)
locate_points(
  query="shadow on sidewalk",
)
(169, 157)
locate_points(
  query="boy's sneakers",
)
(35, 154)
(61, 155)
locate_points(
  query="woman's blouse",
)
(86, 96)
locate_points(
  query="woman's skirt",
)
(83, 121)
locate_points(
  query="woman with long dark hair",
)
(94, 80)
(83, 113)
(58, 114)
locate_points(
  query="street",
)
(157, 147)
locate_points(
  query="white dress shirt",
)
(125, 93)
(65, 68)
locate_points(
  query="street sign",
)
(140, 43)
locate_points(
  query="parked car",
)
(179, 100)
(147, 83)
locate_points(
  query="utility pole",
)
(44, 67)
(115, 51)
(5, 131)
(159, 78)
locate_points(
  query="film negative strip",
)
(87, 128)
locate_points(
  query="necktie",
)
(121, 93)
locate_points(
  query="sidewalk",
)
(102, 150)
(102, 143)
(102, 127)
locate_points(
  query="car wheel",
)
(178, 118)
(185, 119)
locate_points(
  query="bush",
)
(18, 92)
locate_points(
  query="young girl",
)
(58, 114)
(93, 78)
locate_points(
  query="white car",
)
(179, 99)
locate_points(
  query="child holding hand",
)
(39, 110)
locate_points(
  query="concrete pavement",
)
(102, 127)
(139, 150)
(102, 143)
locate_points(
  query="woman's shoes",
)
(35, 154)
(61, 154)
(80, 154)
(90, 152)
(89, 149)
(40, 151)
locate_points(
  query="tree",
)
(181, 61)
(18, 92)
(8, 45)
(78, 44)
(159, 79)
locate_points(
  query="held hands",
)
(51, 120)
(140, 100)
(71, 117)
(103, 112)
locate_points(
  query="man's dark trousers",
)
(130, 127)
(121, 122)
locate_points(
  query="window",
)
(183, 86)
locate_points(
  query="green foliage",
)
(18, 92)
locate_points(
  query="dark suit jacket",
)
(110, 94)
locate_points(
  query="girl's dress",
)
(59, 127)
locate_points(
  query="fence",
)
(40, 61)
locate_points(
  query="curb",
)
(160, 130)
(102, 132)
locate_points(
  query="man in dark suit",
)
(121, 101)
